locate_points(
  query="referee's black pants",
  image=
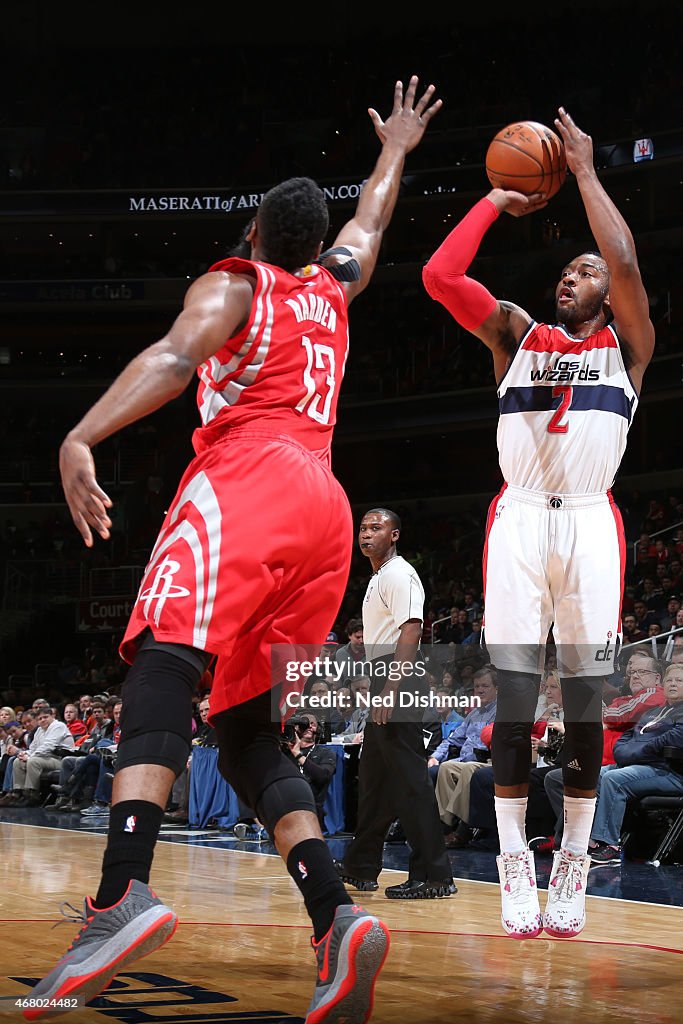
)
(393, 782)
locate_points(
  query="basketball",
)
(527, 157)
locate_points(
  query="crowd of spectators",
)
(148, 115)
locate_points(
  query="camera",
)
(550, 750)
(293, 728)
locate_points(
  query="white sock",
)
(511, 820)
(578, 822)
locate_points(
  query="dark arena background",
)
(135, 144)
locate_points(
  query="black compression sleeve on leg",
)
(252, 761)
(156, 714)
(583, 731)
(511, 741)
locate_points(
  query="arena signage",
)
(185, 203)
(104, 614)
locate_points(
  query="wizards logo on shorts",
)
(607, 652)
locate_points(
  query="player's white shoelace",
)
(520, 911)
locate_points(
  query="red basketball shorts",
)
(255, 550)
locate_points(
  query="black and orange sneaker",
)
(109, 940)
(350, 958)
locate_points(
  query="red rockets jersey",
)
(282, 372)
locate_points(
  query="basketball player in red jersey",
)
(554, 548)
(233, 571)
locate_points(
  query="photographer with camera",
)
(302, 741)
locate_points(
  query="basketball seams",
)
(526, 156)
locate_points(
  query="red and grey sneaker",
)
(349, 958)
(520, 911)
(108, 941)
(565, 911)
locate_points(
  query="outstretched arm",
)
(627, 295)
(215, 306)
(399, 134)
(498, 324)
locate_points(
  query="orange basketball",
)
(527, 157)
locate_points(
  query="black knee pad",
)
(516, 703)
(156, 713)
(168, 749)
(282, 797)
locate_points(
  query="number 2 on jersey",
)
(563, 392)
(319, 385)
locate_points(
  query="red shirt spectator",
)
(76, 727)
(644, 679)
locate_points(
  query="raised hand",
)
(408, 120)
(577, 145)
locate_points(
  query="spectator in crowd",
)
(547, 738)
(77, 775)
(643, 679)
(472, 607)
(475, 636)
(84, 706)
(643, 616)
(640, 769)
(321, 690)
(360, 694)
(465, 737)
(179, 811)
(458, 628)
(449, 717)
(353, 652)
(74, 724)
(317, 762)
(631, 631)
(673, 606)
(453, 774)
(7, 715)
(101, 763)
(8, 727)
(42, 756)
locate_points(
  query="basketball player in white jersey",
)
(554, 551)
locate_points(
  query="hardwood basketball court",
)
(241, 951)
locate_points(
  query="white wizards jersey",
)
(566, 405)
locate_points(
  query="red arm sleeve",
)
(468, 302)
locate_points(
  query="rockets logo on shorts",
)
(162, 587)
(131, 821)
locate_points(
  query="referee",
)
(393, 781)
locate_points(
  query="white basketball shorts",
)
(553, 561)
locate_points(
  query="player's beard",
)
(578, 313)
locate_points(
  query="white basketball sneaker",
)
(520, 911)
(565, 911)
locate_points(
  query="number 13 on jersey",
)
(319, 381)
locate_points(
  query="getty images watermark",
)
(377, 679)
